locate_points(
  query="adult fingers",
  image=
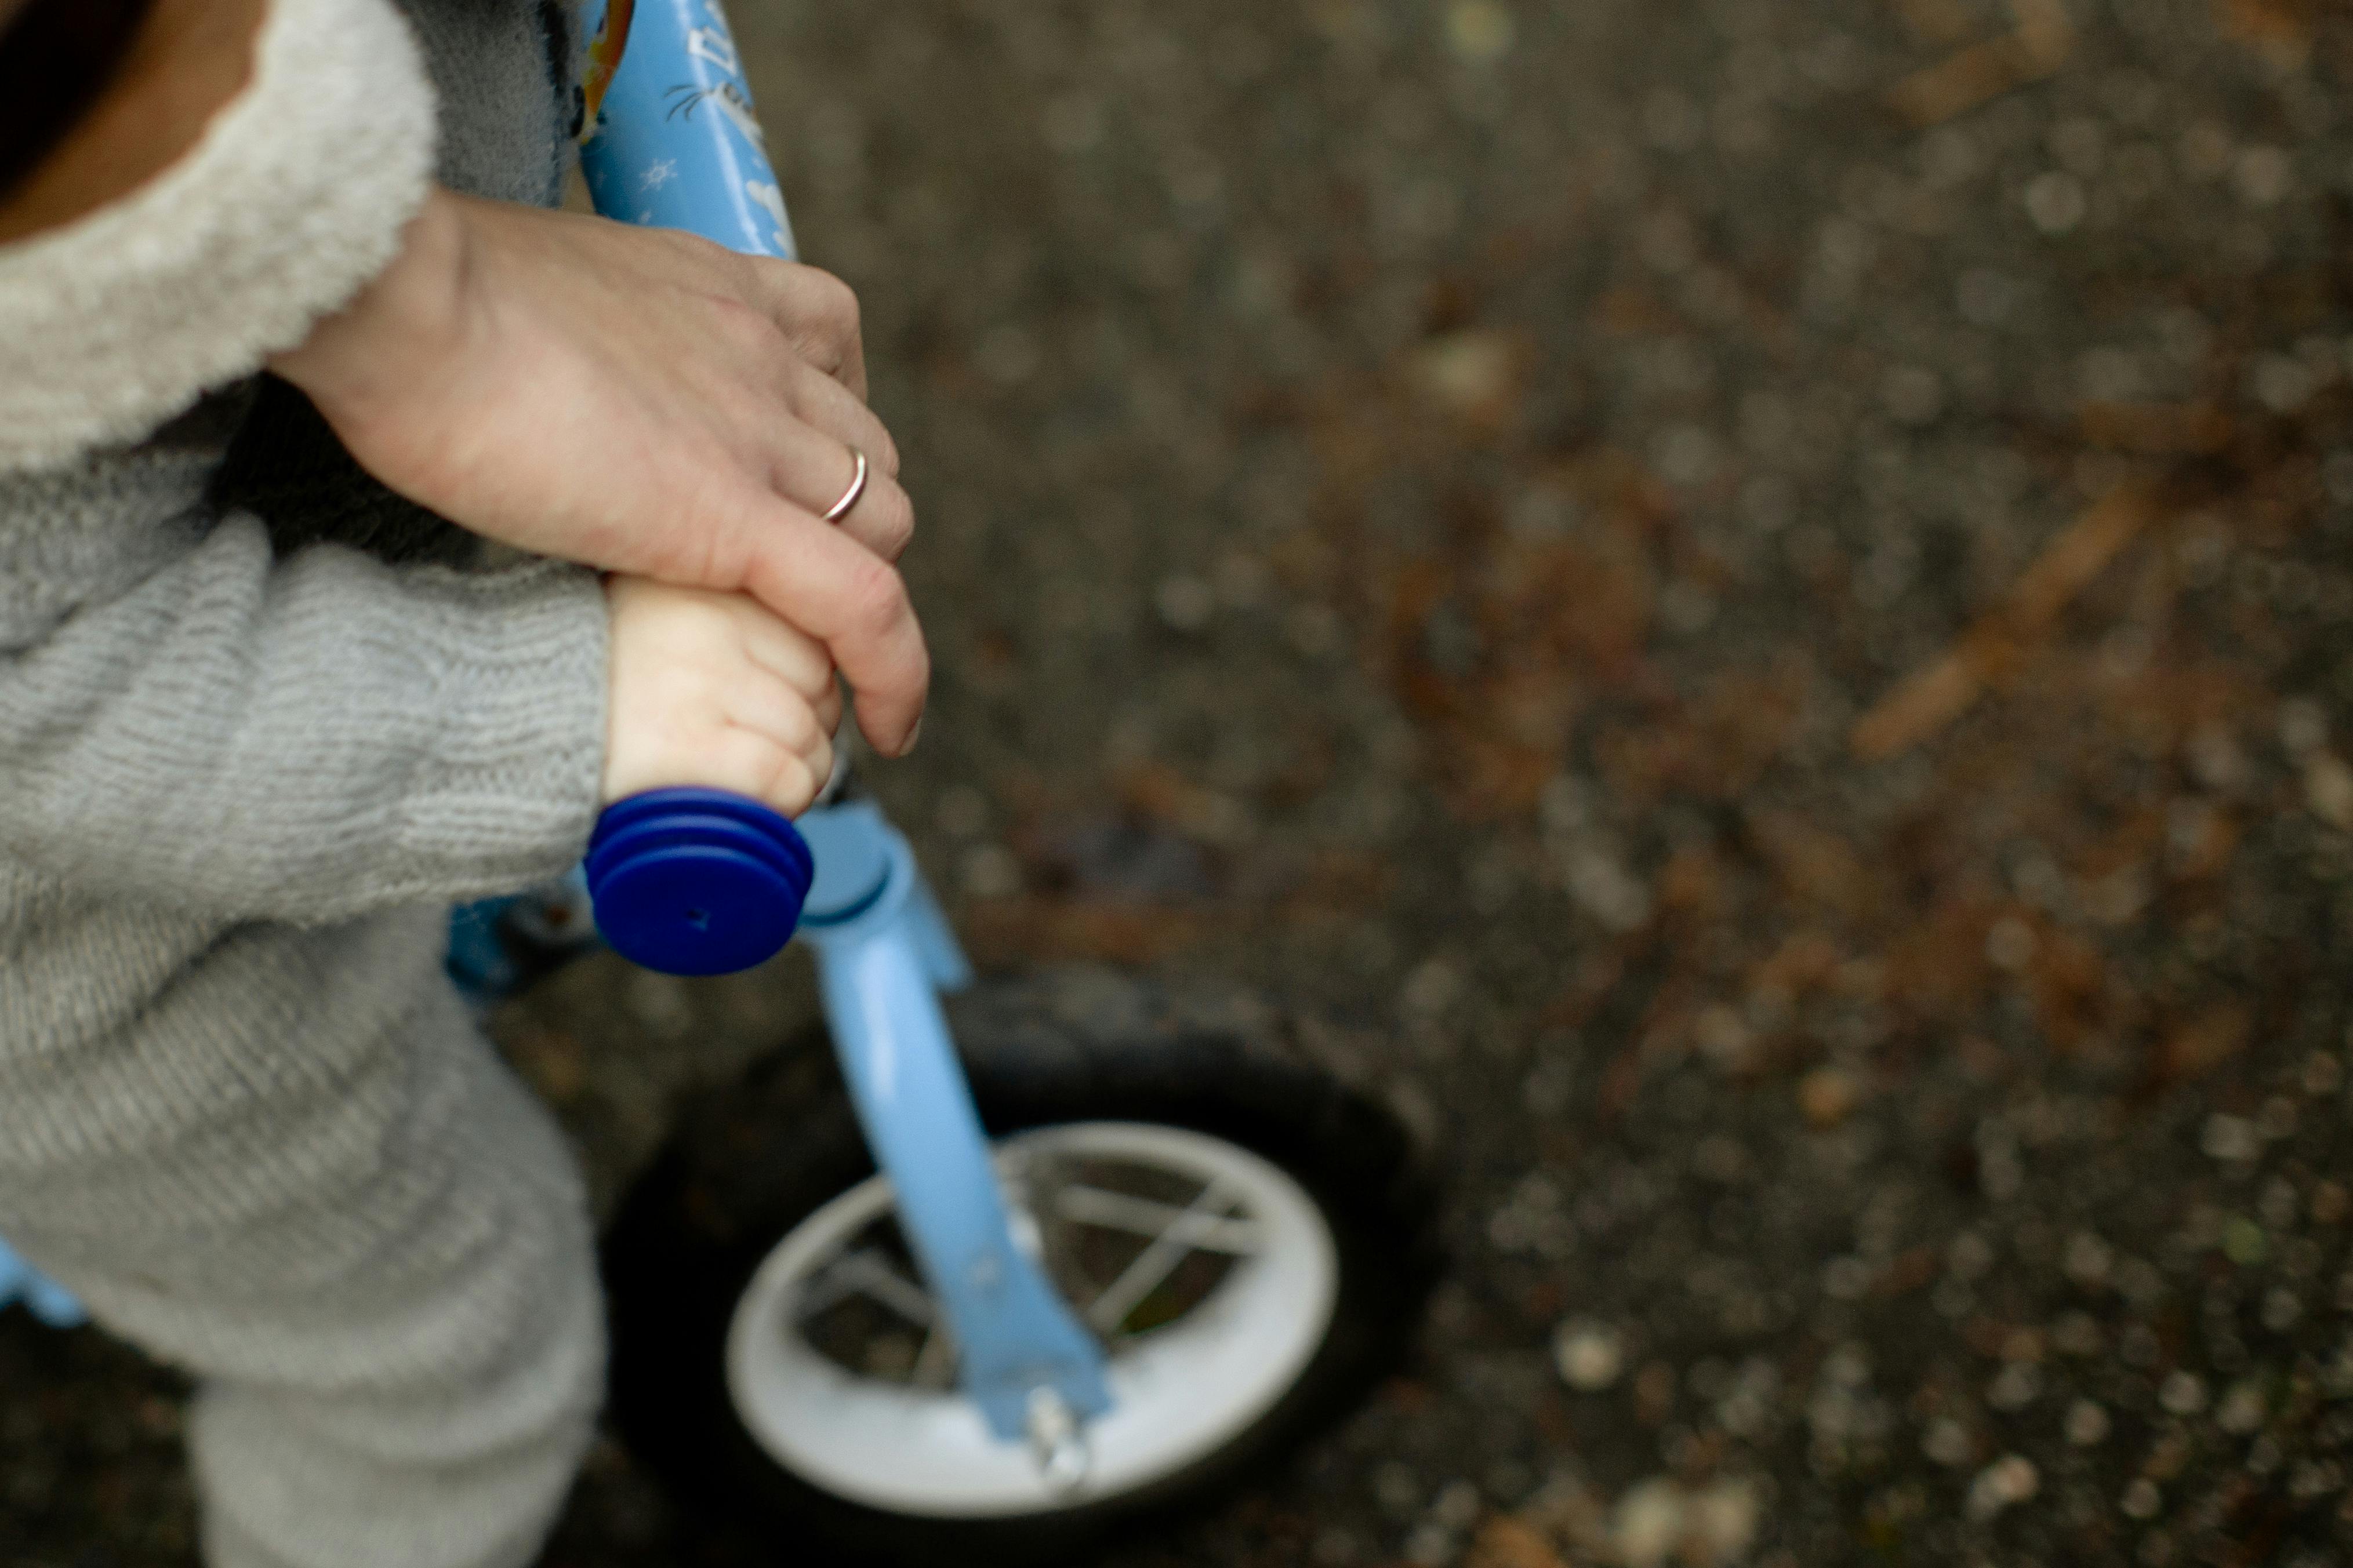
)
(826, 404)
(814, 472)
(838, 591)
(819, 313)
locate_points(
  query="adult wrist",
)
(404, 315)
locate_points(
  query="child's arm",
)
(185, 720)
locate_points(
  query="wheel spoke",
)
(1154, 1264)
(868, 1273)
(1146, 1216)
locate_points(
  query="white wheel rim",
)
(1180, 1391)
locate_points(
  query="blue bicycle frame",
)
(673, 144)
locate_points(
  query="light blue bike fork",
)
(673, 145)
(884, 953)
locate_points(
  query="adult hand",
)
(641, 401)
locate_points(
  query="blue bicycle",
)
(1012, 1266)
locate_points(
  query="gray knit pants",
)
(310, 1182)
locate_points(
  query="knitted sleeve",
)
(187, 720)
(184, 716)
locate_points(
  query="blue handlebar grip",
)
(697, 881)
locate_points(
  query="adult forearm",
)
(185, 59)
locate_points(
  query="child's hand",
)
(710, 689)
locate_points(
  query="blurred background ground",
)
(1764, 587)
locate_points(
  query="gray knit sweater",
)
(241, 683)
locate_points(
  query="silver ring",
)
(840, 509)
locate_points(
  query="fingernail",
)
(909, 744)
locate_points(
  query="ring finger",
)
(815, 471)
(826, 404)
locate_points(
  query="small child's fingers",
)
(776, 776)
(784, 651)
(772, 709)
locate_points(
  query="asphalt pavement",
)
(1759, 590)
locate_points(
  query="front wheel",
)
(1248, 1234)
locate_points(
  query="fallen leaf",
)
(2043, 39)
(1691, 883)
(2206, 1040)
(1803, 962)
(1827, 1097)
(1961, 81)
(1939, 968)
(1813, 863)
(2079, 553)
(2069, 980)
(554, 1062)
(1508, 1543)
(2046, 31)
(2280, 29)
(2157, 428)
(1037, 931)
(1922, 704)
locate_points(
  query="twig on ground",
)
(1935, 696)
(2040, 45)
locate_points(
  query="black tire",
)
(751, 1163)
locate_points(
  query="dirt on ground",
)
(1762, 589)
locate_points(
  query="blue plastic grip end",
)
(697, 881)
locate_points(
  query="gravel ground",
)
(1762, 587)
